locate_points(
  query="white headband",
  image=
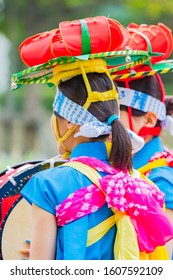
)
(146, 103)
(142, 101)
(90, 126)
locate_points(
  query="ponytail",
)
(121, 152)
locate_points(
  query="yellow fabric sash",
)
(154, 164)
(160, 253)
(126, 244)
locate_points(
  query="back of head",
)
(169, 105)
(149, 86)
(75, 90)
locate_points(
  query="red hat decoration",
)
(154, 38)
(75, 38)
(141, 48)
(159, 36)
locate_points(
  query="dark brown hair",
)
(169, 105)
(75, 90)
(151, 86)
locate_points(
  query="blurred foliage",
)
(20, 19)
(154, 9)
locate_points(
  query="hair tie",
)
(112, 118)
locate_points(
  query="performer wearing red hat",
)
(147, 111)
(95, 206)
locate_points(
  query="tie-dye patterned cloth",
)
(136, 197)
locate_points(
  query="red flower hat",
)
(155, 39)
(159, 37)
(75, 38)
(84, 39)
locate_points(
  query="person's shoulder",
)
(53, 184)
(55, 170)
(59, 172)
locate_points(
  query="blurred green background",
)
(25, 132)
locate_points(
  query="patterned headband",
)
(90, 126)
(76, 114)
(142, 101)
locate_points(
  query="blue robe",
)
(49, 188)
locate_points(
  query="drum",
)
(15, 212)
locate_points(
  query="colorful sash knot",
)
(135, 198)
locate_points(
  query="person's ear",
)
(70, 125)
(151, 119)
(109, 139)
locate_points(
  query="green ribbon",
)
(86, 42)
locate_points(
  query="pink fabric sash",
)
(138, 198)
(168, 155)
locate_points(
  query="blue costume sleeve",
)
(38, 192)
(163, 178)
(50, 187)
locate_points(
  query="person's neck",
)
(148, 138)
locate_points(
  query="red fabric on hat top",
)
(116, 43)
(105, 35)
(160, 37)
(36, 45)
(161, 41)
(95, 26)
